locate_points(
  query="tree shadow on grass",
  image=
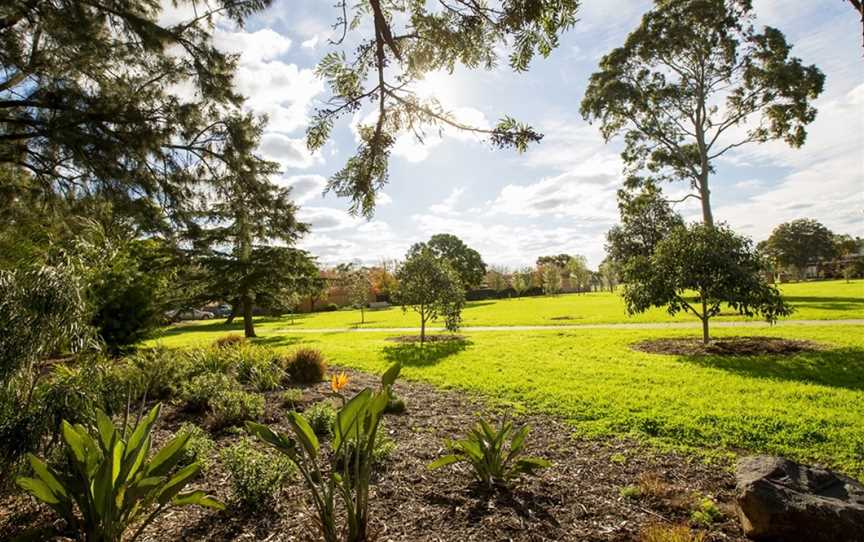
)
(415, 355)
(826, 303)
(282, 340)
(837, 368)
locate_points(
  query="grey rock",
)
(780, 500)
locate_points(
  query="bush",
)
(258, 367)
(199, 447)
(382, 449)
(160, 371)
(291, 397)
(209, 360)
(307, 366)
(230, 340)
(321, 417)
(706, 512)
(256, 475)
(201, 391)
(330, 307)
(235, 407)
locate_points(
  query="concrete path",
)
(630, 325)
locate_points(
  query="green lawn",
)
(812, 300)
(809, 406)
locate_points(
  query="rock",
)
(785, 501)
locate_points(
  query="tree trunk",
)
(244, 256)
(705, 196)
(362, 315)
(233, 314)
(248, 325)
(706, 337)
(422, 327)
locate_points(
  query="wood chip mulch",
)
(732, 346)
(579, 498)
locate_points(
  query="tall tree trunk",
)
(244, 254)
(233, 314)
(248, 325)
(706, 337)
(422, 327)
(705, 196)
(362, 315)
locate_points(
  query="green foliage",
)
(159, 372)
(411, 40)
(694, 81)
(550, 279)
(291, 397)
(630, 492)
(395, 405)
(202, 391)
(199, 446)
(720, 266)
(258, 367)
(465, 260)
(256, 475)
(706, 512)
(352, 465)
(799, 243)
(495, 461)
(646, 218)
(431, 288)
(113, 480)
(307, 366)
(321, 416)
(233, 407)
(661, 532)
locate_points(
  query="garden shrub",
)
(660, 532)
(258, 367)
(202, 391)
(382, 449)
(199, 447)
(256, 475)
(209, 360)
(395, 405)
(226, 341)
(330, 307)
(321, 416)
(706, 512)
(291, 397)
(160, 371)
(307, 366)
(235, 407)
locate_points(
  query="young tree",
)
(580, 275)
(465, 260)
(522, 281)
(394, 45)
(356, 283)
(550, 279)
(645, 219)
(715, 263)
(694, 81)
(609, 273)
(430, 286)
(799, 243)
(89, 106)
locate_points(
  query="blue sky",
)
(560, 195)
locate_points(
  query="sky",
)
(559, 196)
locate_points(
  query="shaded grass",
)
(809, 406)
(812, 301)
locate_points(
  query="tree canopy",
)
(694, 81)
(90, 101)
(645, 219)
(430, 286)
(799, 243)
(397, 43)
(719, 266)
(465, 260)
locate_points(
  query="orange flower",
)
(338, 381)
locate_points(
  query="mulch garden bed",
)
(732, 346)
(579, 498)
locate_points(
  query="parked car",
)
(188, 314)
(222, 311)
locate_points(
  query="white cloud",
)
(417, 147)
(448, 206)
(289, 152)
(305, 188)
(259, 46)
(310, 43)
(383, 199)
(324, 219)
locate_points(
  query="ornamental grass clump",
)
(495, 461)
(307, 366)
(350, 466)
(110, 480)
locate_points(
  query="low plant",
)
(395, 405)
(229, 340)
(351, 466)
(159, 371)
(630, 492)
(201, 392)
(321, 417)
(292, 397)
(235, 407)
(256, 475)
(113, 480)
(307, 366)
(494, 460)
(199, 447)
(258, 368)
(706, 512)
(659, 532)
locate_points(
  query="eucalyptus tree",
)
(397, 44)
(89, 100)
(693, 82)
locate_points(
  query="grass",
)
(825, 300)
(808, 407)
